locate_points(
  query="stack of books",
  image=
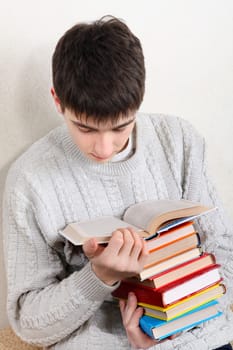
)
(179, 284)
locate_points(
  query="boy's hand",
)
(131, 314)
(124, 256)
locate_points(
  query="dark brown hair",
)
(98, 70)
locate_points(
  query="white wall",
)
(188, 46)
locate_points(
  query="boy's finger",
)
(138, 244)
(128, 245)
(116, 242)
(130, 307)
(90, 248)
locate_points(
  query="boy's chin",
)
(99, 159)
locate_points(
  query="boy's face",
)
(99, 142)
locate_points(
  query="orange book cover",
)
(172, 235)
(173, 248)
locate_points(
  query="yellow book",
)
(184, 305)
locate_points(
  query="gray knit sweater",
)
(54, 298)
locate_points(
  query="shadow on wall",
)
(27, 114)
(34, 104)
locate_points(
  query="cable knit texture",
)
(54, 298)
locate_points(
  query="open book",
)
(149, 218)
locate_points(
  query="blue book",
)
(160, 329)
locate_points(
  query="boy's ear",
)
(56, 100)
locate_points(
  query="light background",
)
(188, 45)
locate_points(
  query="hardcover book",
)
(159, 329)
(185, 305)
(171, 235)
(166, 264)
(173, 292)
(177, 272)
(172, 249)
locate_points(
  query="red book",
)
(177, 272)
(172, 292)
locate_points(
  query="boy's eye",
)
(119, 129)
(84, 129)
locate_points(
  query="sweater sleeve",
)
(215, 228)
(43, 308)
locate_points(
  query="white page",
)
(100, 227)
(191, 286)
(141, 214)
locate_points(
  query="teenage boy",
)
(104, 158)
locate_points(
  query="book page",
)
(192, 285)
(99, 227)
(155, 212)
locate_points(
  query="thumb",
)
(90, 247)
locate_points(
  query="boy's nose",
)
(104, 146)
